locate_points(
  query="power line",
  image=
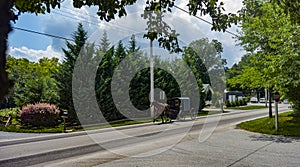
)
(68, 39)
(72, 10)
(124, 28)
(45, 34)
(174, 6)
(130, 29)
(70, 17)
(203, 20)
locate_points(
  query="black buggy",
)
(175, 109)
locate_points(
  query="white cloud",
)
(189, 27)
(232, 6)
(34, 55)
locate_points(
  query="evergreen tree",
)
(120, 53)
(65, 73)
(132, 46)
(104, 44)
(103, 85)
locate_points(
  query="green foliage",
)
(107, 10)
(14, 112)
(290, 7)
(288, 125)
(139, 87)
(104, 44)
(26, 129)
(228, 104)
(235, 103)
(204, 59)
(272, 42)
(220, 20)
(39, 114)
(103, 82)
(250, 107)
(48, 81)
(65, 72)
(33, 81)
(9, 111)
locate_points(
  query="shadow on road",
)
(273, 138)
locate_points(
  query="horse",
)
(162, 110)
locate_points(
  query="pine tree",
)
(104, 44)
(120, 53)
(132, 45)
(65, 73)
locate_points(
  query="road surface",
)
(143, 145)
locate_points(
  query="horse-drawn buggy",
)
(175, 109)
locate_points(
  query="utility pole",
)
(151, 79)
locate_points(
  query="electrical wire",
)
(42, 33)
(183, 10)
(68, 39)
(123, 28)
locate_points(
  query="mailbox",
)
(64, 114)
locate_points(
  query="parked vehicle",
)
(253, 100)
(262, 100)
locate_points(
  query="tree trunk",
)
(5, 28)
(270, 103)
(266, 97)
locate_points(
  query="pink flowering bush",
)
(39, 114)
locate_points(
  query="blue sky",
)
(63, 22)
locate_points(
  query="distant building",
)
(233, 95)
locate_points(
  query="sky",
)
(64, 21)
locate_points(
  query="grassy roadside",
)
(24, 129)
(288, 125)
(254, 107)
(59, 129)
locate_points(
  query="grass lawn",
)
(24, 129)
(247, 107)
(288, 125)
(59, 129)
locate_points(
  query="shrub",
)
(39, 114)
(14, 112)
(233, 104)
(239, 103)
(228, 104)
(244, 102)
(9, 111)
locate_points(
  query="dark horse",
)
(164, 110)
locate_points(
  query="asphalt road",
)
(231, 147)
(135, 145)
